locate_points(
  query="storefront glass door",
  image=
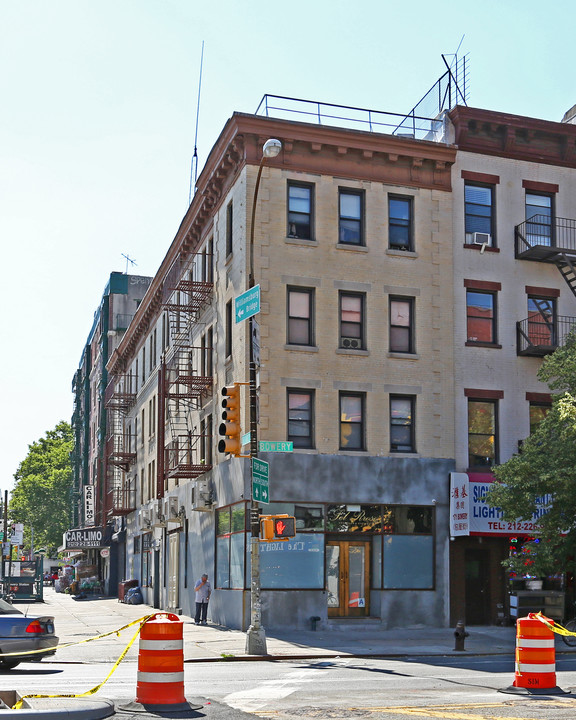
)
(347, 578)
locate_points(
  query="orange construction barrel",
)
(535, 667)
(161, 661)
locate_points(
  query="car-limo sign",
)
(92, 537)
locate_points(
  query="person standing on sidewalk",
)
(203, 592)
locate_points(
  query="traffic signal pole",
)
(255, 636)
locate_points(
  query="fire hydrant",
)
(460, 635)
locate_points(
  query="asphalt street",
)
(337, 671)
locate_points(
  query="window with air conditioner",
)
(480, 238)
(479, 211)
(352, 314)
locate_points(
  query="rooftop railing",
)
(350, 117)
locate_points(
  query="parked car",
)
(20, 632)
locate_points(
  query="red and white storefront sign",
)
(470, 514)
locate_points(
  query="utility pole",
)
(4, 578)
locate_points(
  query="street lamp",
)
(255, 636)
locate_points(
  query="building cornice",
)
(307, 148)
(514, 136)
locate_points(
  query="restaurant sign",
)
(92, 537)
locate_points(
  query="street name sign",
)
(260, 481)
(247, 304)
(276, 446)
(245, 439)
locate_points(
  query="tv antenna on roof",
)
(128, 260)
(194, 164)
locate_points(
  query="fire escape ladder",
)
(119, 397)
(567, 270)
(186, 381)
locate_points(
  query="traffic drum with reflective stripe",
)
(161, 661)
(535, 667)
(535, 654)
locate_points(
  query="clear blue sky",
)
(97, 132)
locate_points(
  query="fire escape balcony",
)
(120, 393)
(120, 450)
(186, 375)
(189, 296)
(538, 337)
(120, 494)
(184, 456)
(550, 241)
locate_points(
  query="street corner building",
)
(410, 275)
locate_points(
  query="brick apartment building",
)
(408, 294)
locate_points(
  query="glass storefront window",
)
(407, 519)
(354, 518)
(230, 530)
(237, 560)
(297, 563)
(223, 521)
(408, 562)
(223, 561)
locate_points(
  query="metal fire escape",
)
(187, 373)
(119, 397)
(550, 241)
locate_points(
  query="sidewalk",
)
(78, 620)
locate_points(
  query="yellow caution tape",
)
(141, 622)
(557, 628)
(117, 632)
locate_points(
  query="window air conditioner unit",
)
(172, 510)
(202, 496)
(479, 238)
(145, 520)
(352, 343)
(158, 519)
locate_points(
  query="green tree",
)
(545, 466)
(41, 498)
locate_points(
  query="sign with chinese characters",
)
(470, 514)
(89, 505)
(459, 505)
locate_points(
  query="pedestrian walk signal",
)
(284, 527)
(274, 528)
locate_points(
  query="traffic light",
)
(277, 528)
(230, 428)
(284, 527)
(266, 528)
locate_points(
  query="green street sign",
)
(276, 446)
(260, 481)
(247, 304)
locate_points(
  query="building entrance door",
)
(173, 566)
(477, 567)
(348, 578)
